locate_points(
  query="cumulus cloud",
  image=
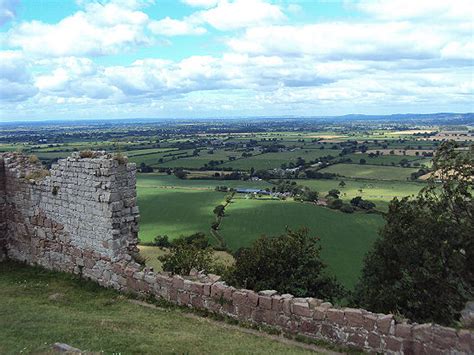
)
(200, 3)
(97, 30)
(171, 27)
(16, 83)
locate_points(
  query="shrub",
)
(289, 263)
(185, 257)
(161, 241)
(87, 154)
(37, 174)
(346, 208)
(198, 240)
(335, 203)
(122, 159)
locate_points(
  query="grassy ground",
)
(39, 308)
(370, 171)
(345, 238)
(175, 212)
(379, 192)
(174, 207)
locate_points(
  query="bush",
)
(347, 208)
(198, 240)
(122, 159)
(289, 263)
(185, 257)
(87, 154)
(161, 241)
(335, 204)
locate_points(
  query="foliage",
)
(180, 174)
(198, 240)
(335, 203)
(161, 241)
(219, 210)
(185, 257)
(346, 208)
(423, 264)
(334, 193)
(361, 203)
(289, 263)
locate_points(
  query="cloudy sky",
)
(227, 58)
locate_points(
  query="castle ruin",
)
(81, 217)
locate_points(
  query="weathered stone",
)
(265, 302)
(354, 317)
(302, 309)
(384, 323)
(444, 338)
(319, 313)
(403, 330)
(423, 332)
(335, 315)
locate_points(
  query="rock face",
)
(81, 217)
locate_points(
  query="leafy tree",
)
(289, 263)
(198, 240)
(180, 174)
(161, 241)
(362, 161)
(422, 266)
(342, 183)
(335, 203)
(219, 210)
(334, 193)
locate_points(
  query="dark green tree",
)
(289, 263)
(422, 266)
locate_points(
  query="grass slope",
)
(97, 320)
(345, 238)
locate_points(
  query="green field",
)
(40, 308)
(174, 207)
(370, 171)
(345, 238)
(275, 160)
(386, 159)
(380, 192)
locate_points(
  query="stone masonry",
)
(81, 217)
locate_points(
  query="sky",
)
(66, 59)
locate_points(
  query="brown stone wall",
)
(82, 218)
(80, 211)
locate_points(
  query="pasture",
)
(344, 238)
(380, 192)
(359, 171)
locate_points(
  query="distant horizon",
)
(233, 58)
(218, 118)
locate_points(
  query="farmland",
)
(181, 164)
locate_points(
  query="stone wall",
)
(82, 218)
(79, 212)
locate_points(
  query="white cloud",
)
(98, 30)
(16, 83)
(201, 3)
(335, 41)
(240, 14)
(7, 10)
(171, 27)
(429, 10)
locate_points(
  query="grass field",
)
(174, 207)
(379, 192)
(275, 160)
(370, 171)
(345, 238)
(98, 320)
(386, 159)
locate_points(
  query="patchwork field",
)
(344, 238)
(370, 171)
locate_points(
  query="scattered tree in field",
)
(289, 263)
(361, 203)
(161, 241)
(362, 161)
(219, 210)
(342, 183)
(180, 174)
(185, 257)
(423, 264)
(334, 193)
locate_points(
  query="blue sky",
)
(226, 58)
